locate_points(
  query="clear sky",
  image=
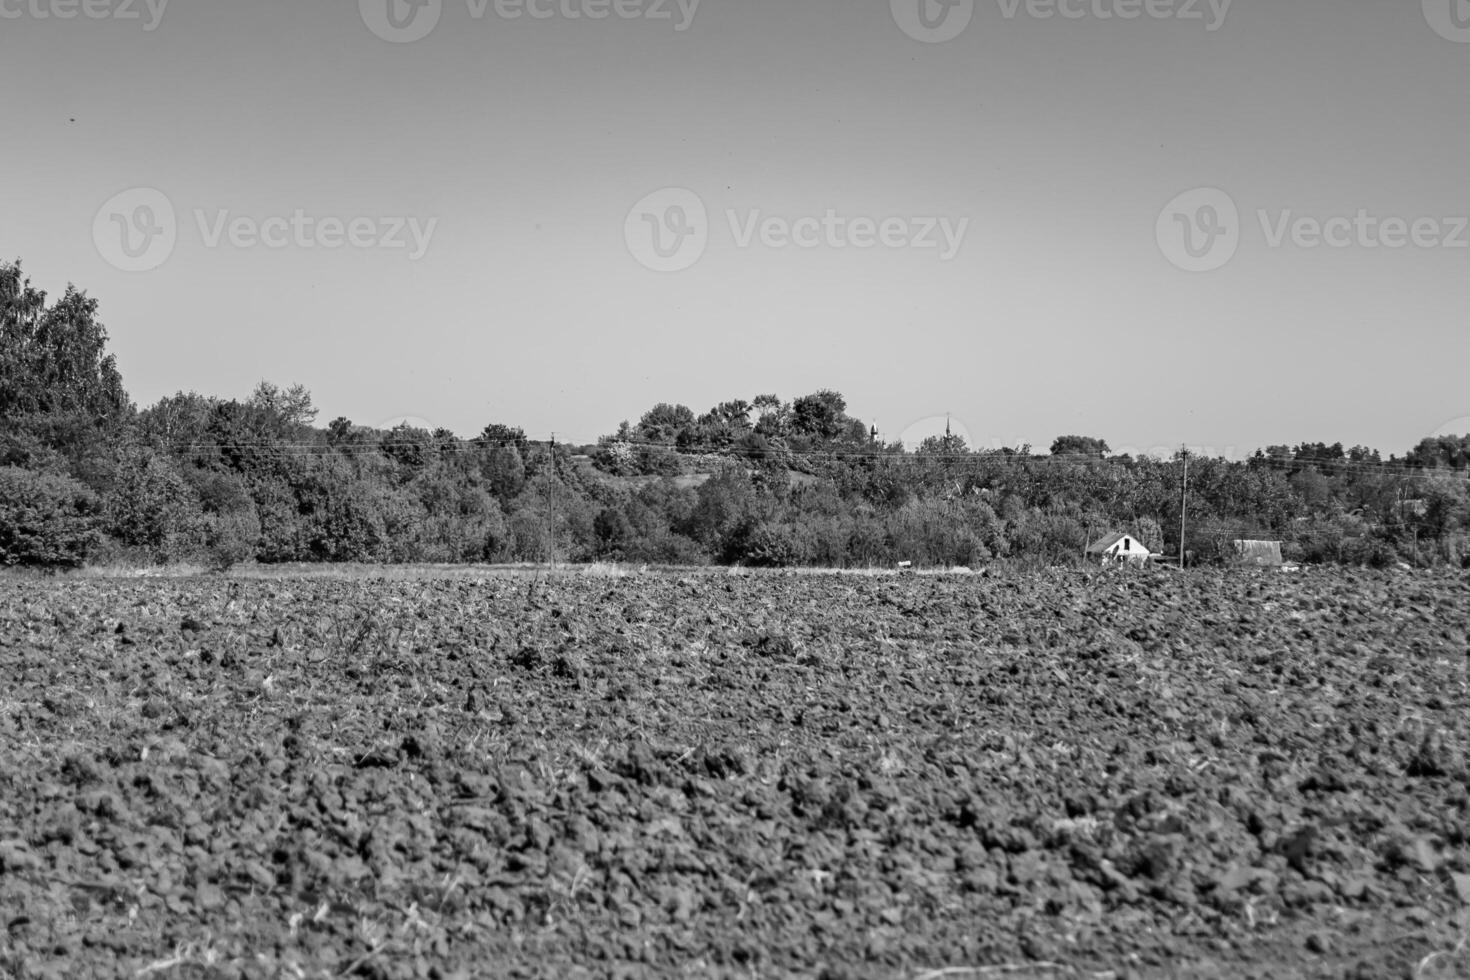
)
(524, 150)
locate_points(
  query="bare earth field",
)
(1071, 775)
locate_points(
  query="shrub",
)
(153, 507)
(233, 538)
(46, 521)
(764, 545)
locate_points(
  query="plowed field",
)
(1066, 775)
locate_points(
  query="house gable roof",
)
(1103, 544)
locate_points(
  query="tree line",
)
(87, 476)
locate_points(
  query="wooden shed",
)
(1118, 547)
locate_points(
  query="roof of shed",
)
(1103, 544)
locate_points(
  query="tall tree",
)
(823, 414)
(53, 359)
(1079, 446)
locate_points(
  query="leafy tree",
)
(338, 430)
(723, 503)
(411, 448)
(497, 436)
(1079, 446)
(1319, 452)
(1150, 534)
(950, 444)
(504, 471)
(46, 520)
(53, 358)
(179, 424)
(1363, 454)
(232, 539)
(1451, 452)
(664, 423)
(822, 415)
(613, 532)
(762, 544)
(290, 408)
(1312, 488)
(735, 414)
(773, 417)
(152, 506)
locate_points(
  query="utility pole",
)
(1183, 502)
(552, 551)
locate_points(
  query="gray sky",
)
(520, 149)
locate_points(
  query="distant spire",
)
(946, 426)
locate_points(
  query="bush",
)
(153, 507)
(763, 545)
(233, 539)
(46, 521)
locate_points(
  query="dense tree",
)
(289, 407)
(153, 507)
(1079, 446)
(1451, 452)
(53, 358)
(761, 482)
(822, 415)
(46, 520)
(496, 435)
(664, 423)
(949, 444)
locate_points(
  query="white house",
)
(1118, 548)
